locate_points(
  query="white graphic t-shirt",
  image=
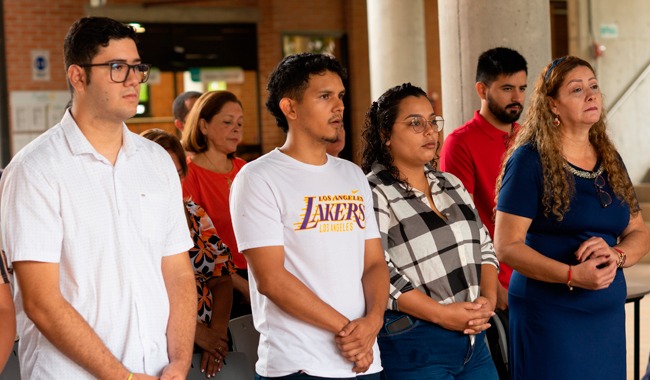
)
(322, 215)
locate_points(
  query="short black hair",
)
(85, 37)
(290, 79)
(178, 107)
(499, 61)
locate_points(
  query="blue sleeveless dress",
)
(556, 333)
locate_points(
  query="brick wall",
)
(37, 25)
(43, 24)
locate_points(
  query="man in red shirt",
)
(474, 151)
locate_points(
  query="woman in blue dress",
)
(567, 222)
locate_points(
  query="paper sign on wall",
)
(33, 112)
(40, 65)
(609, 31)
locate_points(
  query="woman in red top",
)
(212, 131)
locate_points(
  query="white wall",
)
(624, 59)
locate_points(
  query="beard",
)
(330, 139)
(335, 138)
(502, 113)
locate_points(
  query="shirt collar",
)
(79, 144)
(493, 132)
(387, 180)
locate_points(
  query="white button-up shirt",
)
(108, 227)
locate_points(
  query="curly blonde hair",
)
(539, 130)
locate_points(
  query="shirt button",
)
(462, 259)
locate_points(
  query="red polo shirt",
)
(473, 153)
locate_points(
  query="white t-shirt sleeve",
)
(256, 216)
(32, 228)
(178, 236)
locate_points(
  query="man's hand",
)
(173, 371)
(502, 297)
(363, 364)
(358, 338)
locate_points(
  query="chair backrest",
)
(235, 367)
(12, 368)
(244, 337)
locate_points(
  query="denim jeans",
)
(304, 376)
(428, 351)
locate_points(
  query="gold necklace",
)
(228, 180)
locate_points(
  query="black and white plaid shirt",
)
(4, 270)
(441, 258)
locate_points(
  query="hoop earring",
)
(556, 121)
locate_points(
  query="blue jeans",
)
(428, 351)
(304, 376)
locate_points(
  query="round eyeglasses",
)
(120, 71)
(419, 123)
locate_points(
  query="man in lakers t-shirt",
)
(305, 222)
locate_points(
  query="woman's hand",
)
(587, 274)
(595, 247)
(210, 364)
(213, 341)
(468, 317)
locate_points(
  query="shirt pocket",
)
(153, 213)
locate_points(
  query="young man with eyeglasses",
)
(93, 225)
(305, 222)
(474, 151)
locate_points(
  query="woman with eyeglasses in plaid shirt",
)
(443, 269)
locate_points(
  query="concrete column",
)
(470, 27)
(396, 44)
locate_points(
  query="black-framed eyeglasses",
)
(120, 71)
(603, 196)
(419, 123)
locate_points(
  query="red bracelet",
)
(568, 283)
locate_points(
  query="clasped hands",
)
(214, 342)
(356, 341)
(598, 264)
(469, 317)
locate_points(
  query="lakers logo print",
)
(333, 213)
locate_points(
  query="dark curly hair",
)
(378, 126)
(290, 79)
(539, 130)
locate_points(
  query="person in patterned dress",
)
(212, 263)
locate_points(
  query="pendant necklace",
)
(228, 180)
